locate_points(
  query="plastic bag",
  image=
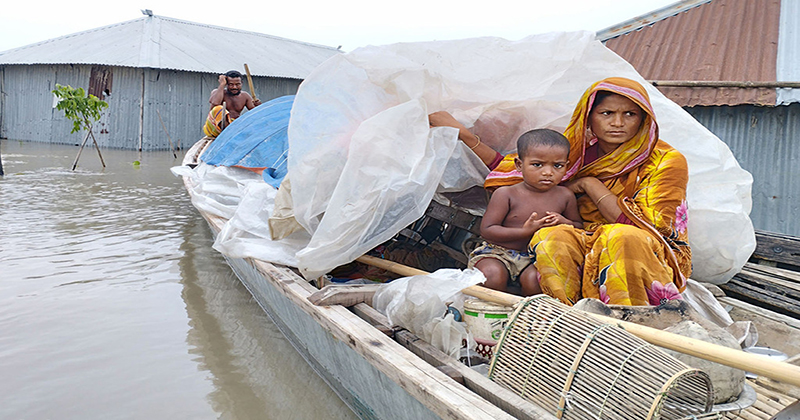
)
(445, 334)
(412, 302)
(217, 190)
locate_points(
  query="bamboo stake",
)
(171, 147)
(80, 150)
(96, 146)
(250, 81)
(758, 364)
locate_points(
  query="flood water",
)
(113, 305)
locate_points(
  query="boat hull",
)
(365, 389)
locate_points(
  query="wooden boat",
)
(382, 372)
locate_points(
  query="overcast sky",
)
(349, 23)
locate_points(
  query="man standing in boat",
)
(230, 93)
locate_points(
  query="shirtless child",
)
(513, 213)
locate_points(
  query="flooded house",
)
(149, 70)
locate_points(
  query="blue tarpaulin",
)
(257, 139)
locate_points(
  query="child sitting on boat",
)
(516, 212)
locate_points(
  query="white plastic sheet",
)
(247, 202)
(247, 234)
(358, 124)
(418, 303)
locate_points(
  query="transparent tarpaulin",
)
(364, 164)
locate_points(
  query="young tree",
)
(83, 111)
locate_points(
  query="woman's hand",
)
(578, 186)
(487, 155)
(444, 119)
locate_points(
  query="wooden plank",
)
(777, 247)
(773, 301)
(775, 330)
(452, 373)
(345, 295)
(784, 278)
(481, 385)
(454, 217)
(771, 283)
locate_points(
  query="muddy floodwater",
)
(113, 305)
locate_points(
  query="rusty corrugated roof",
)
(722, 40)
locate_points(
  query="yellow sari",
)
(644, 261)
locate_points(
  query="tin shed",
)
(143, 68)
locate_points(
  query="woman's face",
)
(615, 120)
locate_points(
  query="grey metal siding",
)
(765, 142)
(180, 97)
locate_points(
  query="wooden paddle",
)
(222, 123)
(758, 364)
(250, 81)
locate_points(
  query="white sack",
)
(412, 302)
(500, 88)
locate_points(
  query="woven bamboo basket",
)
(580, 368)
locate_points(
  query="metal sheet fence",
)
(138, 96)
(765, 142)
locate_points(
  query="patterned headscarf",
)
(628, 155)
(622, 160)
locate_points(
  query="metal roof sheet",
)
(719, 40)
(788, 66)
(165, 43)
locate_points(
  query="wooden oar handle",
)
(250, 81)
(758, 364)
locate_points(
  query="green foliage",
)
(81, 109)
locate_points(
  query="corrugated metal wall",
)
(765, 142)
(27, 110)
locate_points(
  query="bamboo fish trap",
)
(581, 368)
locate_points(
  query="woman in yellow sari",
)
(631, 190)
(631, 187)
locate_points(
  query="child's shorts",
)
(515, 261)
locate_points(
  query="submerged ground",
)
(113, 304)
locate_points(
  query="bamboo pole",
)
(723, 84)
(171, 147)
(250, 81)
(758, 364)
(96, 146)
(222, 122)
(80, 150)
(141, 117)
